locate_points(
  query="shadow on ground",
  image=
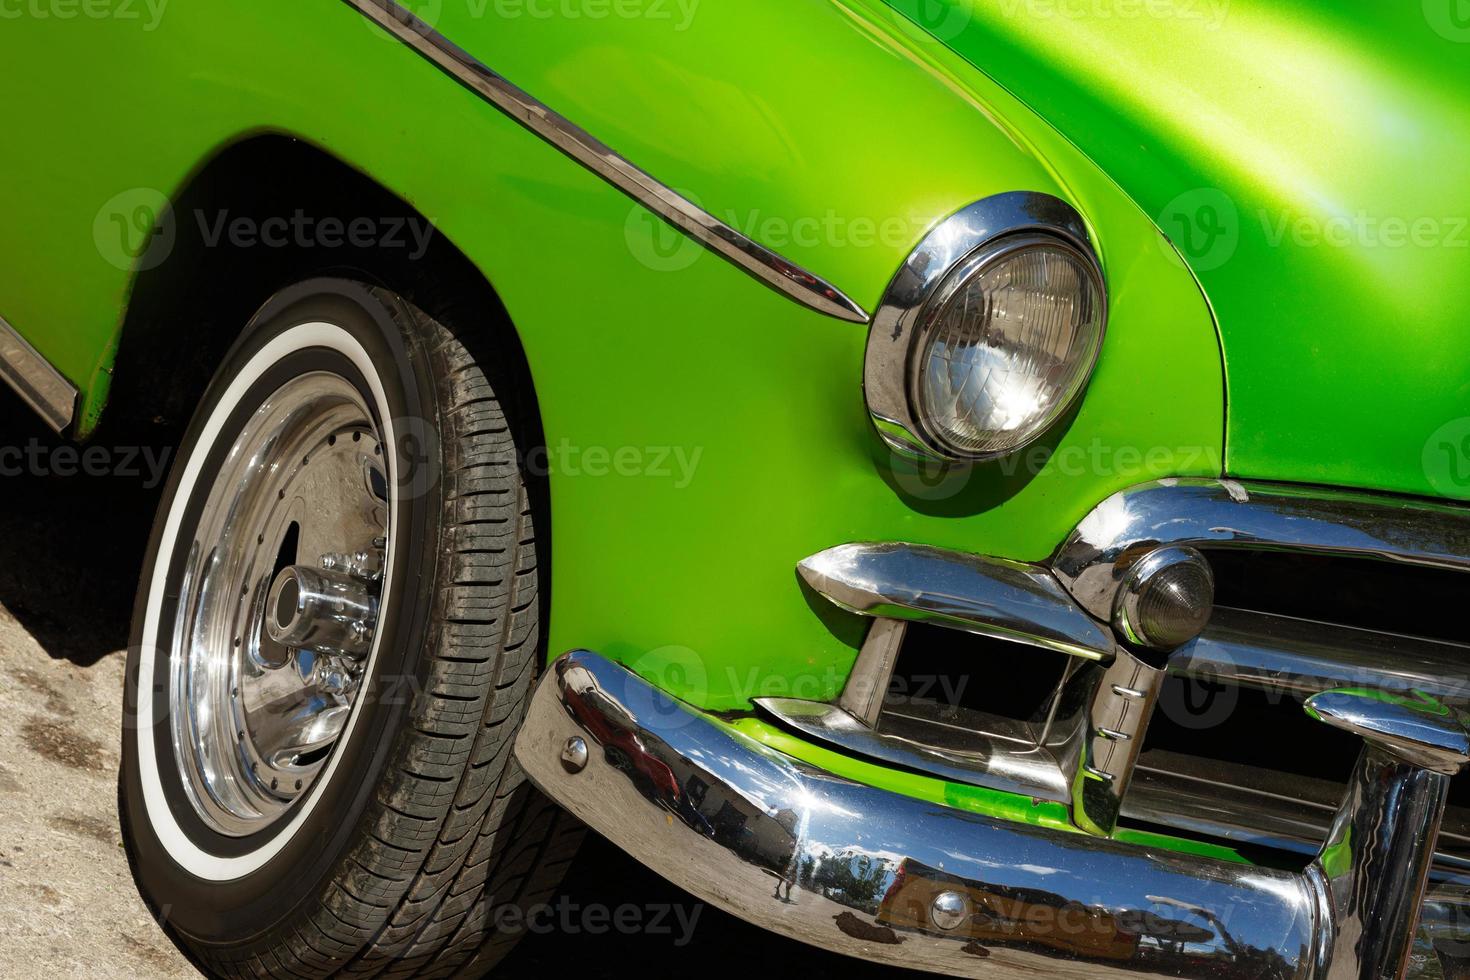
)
(73, 528)
(718, 945)
(71, 551)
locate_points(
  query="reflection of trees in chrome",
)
(776, 827)
(853, 878)
(1172, 938)
(1182, 938)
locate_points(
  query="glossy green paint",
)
(1309, 158)
(705, 433)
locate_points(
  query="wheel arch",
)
(185, 311)
(195, 300)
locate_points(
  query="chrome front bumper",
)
(880, 876)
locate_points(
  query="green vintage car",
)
(981, 487)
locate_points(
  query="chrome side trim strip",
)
(990, 596)
(759, 261)
(42, 387)
(1229, 514)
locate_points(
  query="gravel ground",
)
(70, 553)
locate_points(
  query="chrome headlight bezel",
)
(961, 247)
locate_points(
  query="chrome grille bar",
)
(1009, 600)
(1082, 755)
(1257, 807)
(1301, 657)
(1229, 514)
(1373, 845)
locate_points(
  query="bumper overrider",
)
(942, 889)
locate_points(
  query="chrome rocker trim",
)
(757, 260)
(750, 830)
(42, 387)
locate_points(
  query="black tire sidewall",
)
(235, 912)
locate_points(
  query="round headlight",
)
(1005, 344)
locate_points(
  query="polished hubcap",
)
(278, 606)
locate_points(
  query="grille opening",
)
(1238, 737)
(957, 678)
(1269, 731)
(1238, 725)
(1366, 593)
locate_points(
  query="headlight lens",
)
(1006, 344)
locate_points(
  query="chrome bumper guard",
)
(896, 880)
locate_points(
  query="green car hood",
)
(1311, 162)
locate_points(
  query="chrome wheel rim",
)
(278, 603)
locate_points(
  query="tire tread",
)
(456, 832)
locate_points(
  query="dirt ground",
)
(70, 552)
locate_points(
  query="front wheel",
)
(335, 638)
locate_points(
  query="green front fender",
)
(704, 433)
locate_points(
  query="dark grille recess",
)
(1361, 592)
(1213, 745)
(953, 676)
